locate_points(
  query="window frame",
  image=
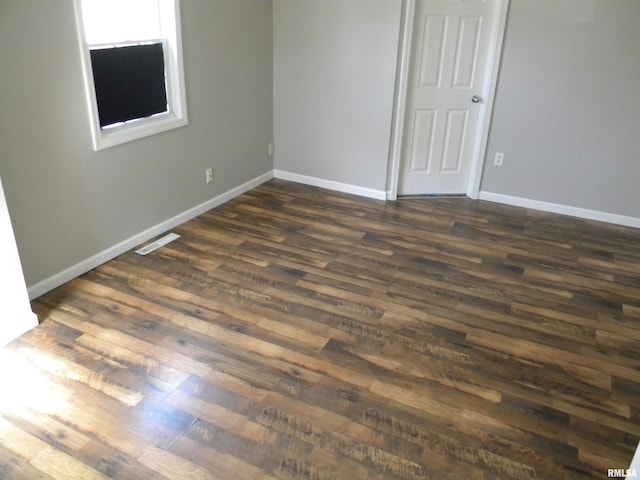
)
(175, 117)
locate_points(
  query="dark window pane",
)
(129, 82)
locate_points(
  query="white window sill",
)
(112, 136)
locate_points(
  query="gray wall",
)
(67, 202)
(334, 75)
(567, 111)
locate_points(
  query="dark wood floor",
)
(297, 333)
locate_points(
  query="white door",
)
(448, 62)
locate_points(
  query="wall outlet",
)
(499, 159)
(209, 175)
(271, 149)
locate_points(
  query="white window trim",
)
(176, 92)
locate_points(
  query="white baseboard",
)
(90, 263)
(561, 209)
(331, 185)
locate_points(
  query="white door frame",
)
(16, 309)
(488, 93)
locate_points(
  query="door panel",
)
(453, 140)
(423, 145)
(469, 30)
(448, 62)
(433, 50)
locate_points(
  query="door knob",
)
(476, 99)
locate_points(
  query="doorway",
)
(449, 58)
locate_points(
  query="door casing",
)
(488, 93)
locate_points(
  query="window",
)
(132, 62)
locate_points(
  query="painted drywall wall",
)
(17, 316)
(566, 110)
(69, 203)
(334, 76)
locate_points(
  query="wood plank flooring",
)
(298, 333)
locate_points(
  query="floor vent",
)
(161, 242)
